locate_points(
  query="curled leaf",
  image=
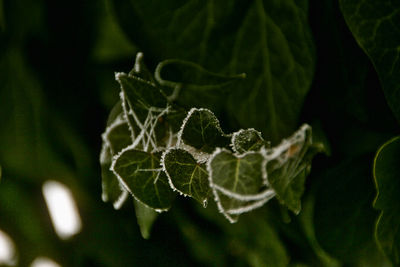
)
(112, 191)
(288, 165)
(238, 182)
(115, 138)
(247, 140)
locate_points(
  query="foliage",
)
(228, 106)
(151, 158)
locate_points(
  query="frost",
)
(247, 140)
(191, 154)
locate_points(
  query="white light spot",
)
(62, 208)
(8, 255)
(44, 262)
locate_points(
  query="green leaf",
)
(193, 85)
(201, 130)
(145, 218)
(131, 106)
(247, 140)
(151, 129)
(270, 41)
(387, 180)
(344, 219)
(140, 69)
(140, 93)
(141, 174)
(307, 225)
(117, 135)
(274, 47)
(374, 25)
(238, 182)
(115, 138)
(112, 189)
(186, 175)
(288, 164)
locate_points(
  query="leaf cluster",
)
(153, 147)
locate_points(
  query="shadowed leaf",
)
(270, 41)
(387, 179)
(145, 218)
(375, 26)
(193, 85)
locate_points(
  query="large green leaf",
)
(375, 26)
(141, 174)
(387, 179)
(343, 216)
(186, 175)
(192, 84)
(274, 47)
(238, 182)
(270, 41)
(201, 130)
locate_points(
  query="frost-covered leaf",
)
(112, 190)
(288, 164)
(145, 218)
(140, 93)
(186, 175)
(247, 140)
(116, 137)
(175, 117)
(152, 129)
(201, 130)
(387, 180)
(141, 174)
(375, 26)
(140, 69)
(238, 182)
(193, 85)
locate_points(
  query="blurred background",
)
(57, 64)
